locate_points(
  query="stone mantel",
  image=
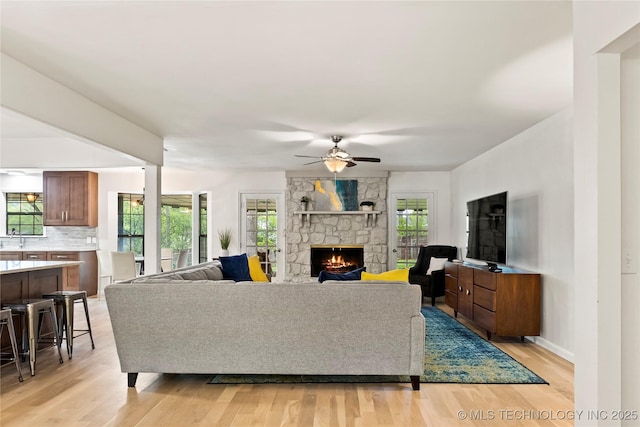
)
(307, 228)
(370, 217)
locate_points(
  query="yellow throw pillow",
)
(391, 276)
(255, 270)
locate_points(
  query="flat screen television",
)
(487, 240)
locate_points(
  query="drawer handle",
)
(468, 292)
(62, 256)
(460, 288)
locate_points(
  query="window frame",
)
(202, 227)
(24, 214)
(429, 228)
(139, 212)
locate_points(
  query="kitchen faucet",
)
(20, 238)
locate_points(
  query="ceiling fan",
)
(337, 159)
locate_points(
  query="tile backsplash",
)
(55, 238)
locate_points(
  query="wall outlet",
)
(629, 261)
(93, 240)
(88, 239)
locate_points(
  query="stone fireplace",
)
(335, 229)
(335, 259)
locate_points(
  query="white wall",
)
(223, 189)
(602, 368)
(630, 336)
(536, 168)
(438, 183)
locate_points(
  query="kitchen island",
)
(31, 279)
(80, 277)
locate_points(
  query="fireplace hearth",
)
(336, 259)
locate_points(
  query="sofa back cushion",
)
(205, 271)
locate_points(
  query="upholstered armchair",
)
(432, 284)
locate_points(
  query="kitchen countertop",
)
(8, 267)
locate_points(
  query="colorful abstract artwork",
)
(338, 195)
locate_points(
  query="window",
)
(175, 220)
(175, 217)
(24, 214)
(202, 235)
(412, 229)
(130, 223)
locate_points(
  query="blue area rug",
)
(453, 354)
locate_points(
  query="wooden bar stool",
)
(5, 319)
(31, 310)
(65, 303)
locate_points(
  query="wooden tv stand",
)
(505, 303)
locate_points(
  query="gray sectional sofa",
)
(192, 321)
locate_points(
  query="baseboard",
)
(555, 349)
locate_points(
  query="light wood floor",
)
(90, 390)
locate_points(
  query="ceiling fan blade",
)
(312, 157)
(310, 163)
(366, 159)
(350, 164)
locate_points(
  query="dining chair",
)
(183, 257)
(104, 269)
(123, 266)
(166, 259)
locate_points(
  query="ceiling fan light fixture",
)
(335, 165)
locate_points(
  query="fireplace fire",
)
(336, 259)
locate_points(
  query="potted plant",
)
(304, 202)
(225, 240)
(367, 205)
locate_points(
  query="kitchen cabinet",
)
(10, 256)
(83, 277)
(34, 256)
(70, 198)
(71, 278)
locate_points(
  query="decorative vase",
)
(304, 205)
(224, 252)
(367, 207)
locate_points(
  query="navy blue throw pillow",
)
(351, 275)
(235, 267)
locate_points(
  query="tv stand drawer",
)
(486, 279)
(484, 318)
(484, 298)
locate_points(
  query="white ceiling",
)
(422, 85)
